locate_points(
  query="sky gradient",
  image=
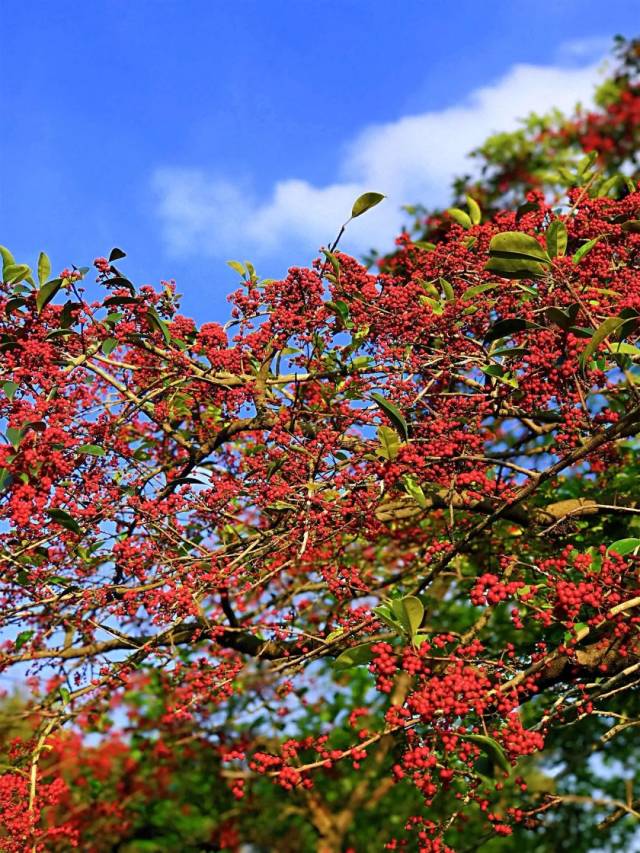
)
(190, 132)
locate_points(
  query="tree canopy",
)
(357, 570)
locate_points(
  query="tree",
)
(353, 570)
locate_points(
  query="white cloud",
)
(411, 159)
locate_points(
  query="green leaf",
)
(435, 305)
(497, 371)
(625, 546)
(559, 317)
(515, 245)
(44, 268)
(632, 226)
(586, 162)
(365, 202)
(92, 450)
(463, 219)
(47, 293)
(15, 436)
(447, 290)
(510, 352)
(605, 188)
(413, 488)
(342, 311)
(13, 273)
(409, 611)
(383, 612)
(470, 292)
(64, 520)
(389, 443)
(115, 254)
(527, 207)
(492, 749)
(65, 695)
(514, 268)
(585, 249)
(355, 656)
(7, 260)
(556, 238)
(335, 263)
(158, 325)
(625, 349)
(425, 245)
(10, 389)
(22, 638)
(606, 328)
(474, 210)
(109, 345)
(334, 635)
(238, 267)
(571, 635)
(14, 305)
(507, 327)
(393, 413)
(6, 479)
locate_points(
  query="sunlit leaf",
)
(365, 202)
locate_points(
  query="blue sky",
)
(191, 132)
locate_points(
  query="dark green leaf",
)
(504, 328)
(606, 328)
(14, 304)
(115, 254)
(394, 414)
(64, 520)
(492, 749)
(527, 207)
(158, 324)
(47, 293)
(559, 317)
(120, 300)
(514, 268)
(556, 239)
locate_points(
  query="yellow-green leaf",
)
(365, 202)
(44, 268)
(475, 212)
